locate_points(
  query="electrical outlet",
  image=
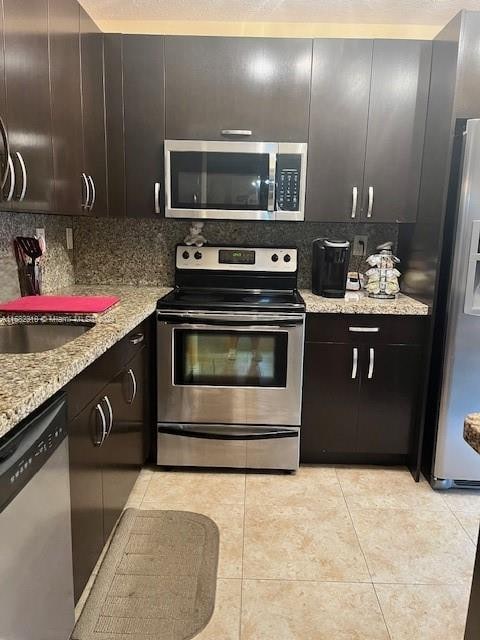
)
(69, 234)
(360, 245)
(40, 233)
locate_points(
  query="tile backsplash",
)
(141, 251)
(57, 264)
(133, 251)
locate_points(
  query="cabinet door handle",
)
(12, 179)
(364, 329)
(354, 201)
(134, 386)
(110, 414)
(371, 364)
(157, 197)
(99, 410)
(370, 202)
(236, 132)
(94, 193)
(137, 338)
(6, 151)
(21, 197)
(355, 363)
(87, 192)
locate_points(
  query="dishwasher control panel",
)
(27, 451)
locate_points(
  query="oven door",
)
(230, 369)
(220, 179)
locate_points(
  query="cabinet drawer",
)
(366, 329)
(91, 381)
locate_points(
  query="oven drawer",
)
(239, 447)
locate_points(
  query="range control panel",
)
(270, 260)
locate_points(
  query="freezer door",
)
(460, 394)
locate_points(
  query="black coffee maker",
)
(330, 267)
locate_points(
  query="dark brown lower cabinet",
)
(107, 436)
(86, 494)
(361, 394)
(123, 450)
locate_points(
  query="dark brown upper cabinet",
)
(341, 75)
(216, 84)
(367, 124)
(144, 113)
(3, 111)
(28, 106)
(64, 24)
(396, 129)
(94, 169)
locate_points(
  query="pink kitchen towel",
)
(59, 304)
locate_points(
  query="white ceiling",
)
(419, 12)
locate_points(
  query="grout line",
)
(464, 529)
(243, 559)
(364, 557)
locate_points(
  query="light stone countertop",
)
(359, 302)
(28, 380)
(471, 431)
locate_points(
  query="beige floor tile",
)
(419, 612)
(387, 488)
(310, 485)
(139, 489)
(225, 622)
(414, 546)
(277, 610)
(470, 522)
(462, 500)
(202, 488)
(302, 543)
(228, 518)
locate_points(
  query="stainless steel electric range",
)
(230, 341)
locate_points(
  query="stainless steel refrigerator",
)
(456, 347)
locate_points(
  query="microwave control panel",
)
(288, 181)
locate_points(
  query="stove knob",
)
(274, 258)
(185, 255)
(197, 255)
(287, 257)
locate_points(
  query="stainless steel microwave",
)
(235, 180)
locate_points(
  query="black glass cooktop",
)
(199, 299)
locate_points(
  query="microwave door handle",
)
(272, 168)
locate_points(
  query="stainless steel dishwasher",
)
(36, 577)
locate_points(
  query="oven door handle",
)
(234, 326)
(253, 322)
(237, 435)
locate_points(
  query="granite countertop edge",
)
(471, 431)
(29, 380)
(359, 302)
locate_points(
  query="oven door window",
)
(225, 358)
(214, 180)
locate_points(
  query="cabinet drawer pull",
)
(137, 338)
(370, 202)
(6, 152)
(364, 329)
(157, 197)
(134, 386)
(86, 203)
(371, 364)
(99, 410)
(236, 132)
(110, 414)
(12, 179)
(354, 201)
(21, 197)
(355, 363)
(94, 193)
